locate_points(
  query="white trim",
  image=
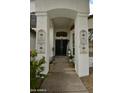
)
(41, 13)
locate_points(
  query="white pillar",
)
(51, 42)
(81, 45)
(42, 39)
(71, 41)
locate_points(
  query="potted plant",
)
(36, 67)
(71, 58)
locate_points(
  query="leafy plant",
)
(71, 60)
(71, 57)
(33, 53)
(36, 67)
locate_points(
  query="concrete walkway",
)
(62, 78)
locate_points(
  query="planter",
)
(38, 87)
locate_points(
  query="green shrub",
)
(71, 57)
(36, 67)
(33, 53)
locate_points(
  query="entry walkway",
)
(62, 78)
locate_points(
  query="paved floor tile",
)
(62, 78)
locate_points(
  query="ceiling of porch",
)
(62, 23)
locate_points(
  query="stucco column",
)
(81, 45)
(71, 41)
(51, 40)
(42, 38)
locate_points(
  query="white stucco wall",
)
(51, 42)
(81, 59)
(43, 24)
(71, 40)
(78, 5)
(81, 7)
(32, 6)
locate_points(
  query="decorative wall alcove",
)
(83, 41)
(41, 41)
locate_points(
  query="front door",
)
(61, 47)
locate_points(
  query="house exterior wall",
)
(71, 41)
(81, 55)
(77, 5)
(32, 6)
(77, 10)
(43, 25)
(51, 43)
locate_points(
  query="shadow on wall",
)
(32, 39)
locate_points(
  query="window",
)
(61, 34)
(33, 20)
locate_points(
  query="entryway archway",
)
(60, 19)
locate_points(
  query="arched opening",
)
(63, 22)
